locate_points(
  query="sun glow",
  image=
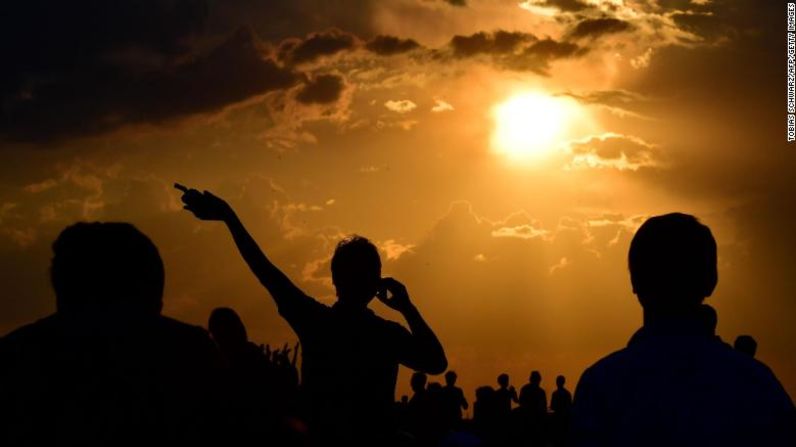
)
(530, 125)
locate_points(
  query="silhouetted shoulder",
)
(302, 312)
(179, 328)
(678, 387)
(32, 333)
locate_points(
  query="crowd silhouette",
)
(108, 369)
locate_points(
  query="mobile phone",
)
(381, 292)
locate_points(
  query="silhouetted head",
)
(484, 393)
(106, 266)
(503, 380)
(560, 381)
(672, 262)
(746, 344)
(450, 378)
(536, 378)
(418, 382)
(356, 270)
(227, 328)
(434, 387)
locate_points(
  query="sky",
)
(500, 154)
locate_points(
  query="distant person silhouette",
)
(350, 355)
(531, 416)
(262, 394)
(454, 400)
(533, 397)
(746, 344)
(422, 409)
(504, 396)
(561, 400)
(675, 383)
(561, 405)
(485, 413)
(106, 368)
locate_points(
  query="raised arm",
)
(422, 351)
(207, 206)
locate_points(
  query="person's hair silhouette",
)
(106, 368)
(672, 262)
(356, 270)
(635, 396)
(450, 378)
(535, 378)
(503, 380)
(227, 328)
(746, 344)
(97, 266)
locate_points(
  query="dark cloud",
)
(608, 97)
(551, 49)
(315, 46)
(538, 56)
(599, 27)
(514, 50)
(98, 96)
(275, 21)
(498, 42)
(390, 45)
(456, 2)
(563, 5)
(58, 55)
(323, 89)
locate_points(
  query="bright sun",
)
(529, 125)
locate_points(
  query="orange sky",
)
(384, 118)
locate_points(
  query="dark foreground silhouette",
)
(107, 369)
(676, 383)
(350, 355)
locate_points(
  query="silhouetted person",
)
(454, 400)
(422, 409)
(746, 344)
(262, 394)
(485, 412)
(561, 405)
(675, 383)
(106, 368)
(504, 396)
(532, 414)
(533, 397)
(561, 401)
(350, 355)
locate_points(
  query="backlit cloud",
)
(400, 106)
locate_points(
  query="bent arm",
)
(424, 351)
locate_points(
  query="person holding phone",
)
(351, 356)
